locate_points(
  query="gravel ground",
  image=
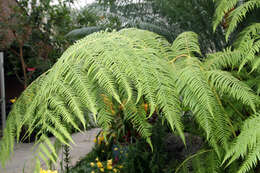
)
(22, 159)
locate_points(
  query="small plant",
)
(47, 171)
(106, 166)
(67, 157)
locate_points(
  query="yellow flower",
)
(13, 100)
(99, 164)
(109, 162)
(102, 169)
(92, 164)
(92, 171)
(116, 149)
(101, 138)
(48, 171)
(109, 167)
(115, 170)
(97, 159)
(95, 140)
(120, 166)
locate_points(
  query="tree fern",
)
(234, 12)
(227, 59)
(222, 8)
(239, 14)
(108, 70)
(194, 84)
(251, 31)
(246, 61)
(114, 65)
(226, 84)
(246, 145)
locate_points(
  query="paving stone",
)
(22, 158)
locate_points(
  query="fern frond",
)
(185, 45)
(250, 49)
(255, 63)
(237, 15)
(247, 145)
(193, 86)
(223, 60)
(226, 84)
(197, 94)
(122, 67)
(138, 117)
(248, 33)
(222, 8)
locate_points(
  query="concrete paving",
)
(22, 159)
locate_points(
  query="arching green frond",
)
(247, 145)
(198, 95)
(185, 45)
(100, 72)
(223, 60)
(226, 84)
(248, 33)
(111, 75)
(255, 63)
(223, 7)
(159, 43)
(159, 28)
(137, 116)
(250, 49)
(237, 15)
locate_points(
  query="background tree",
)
(38, 37)
(167, 18)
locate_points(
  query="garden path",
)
(23, 155)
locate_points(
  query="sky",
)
(82, 3)
(78, 3)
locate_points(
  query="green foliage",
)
(246, 145)
(170, 18)
(234, 11)
(242, 59)
(118, 15)
(126, 68)
(79, 79)
(37, 33)
(109, 76)
(203, 161)
(141, 159)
